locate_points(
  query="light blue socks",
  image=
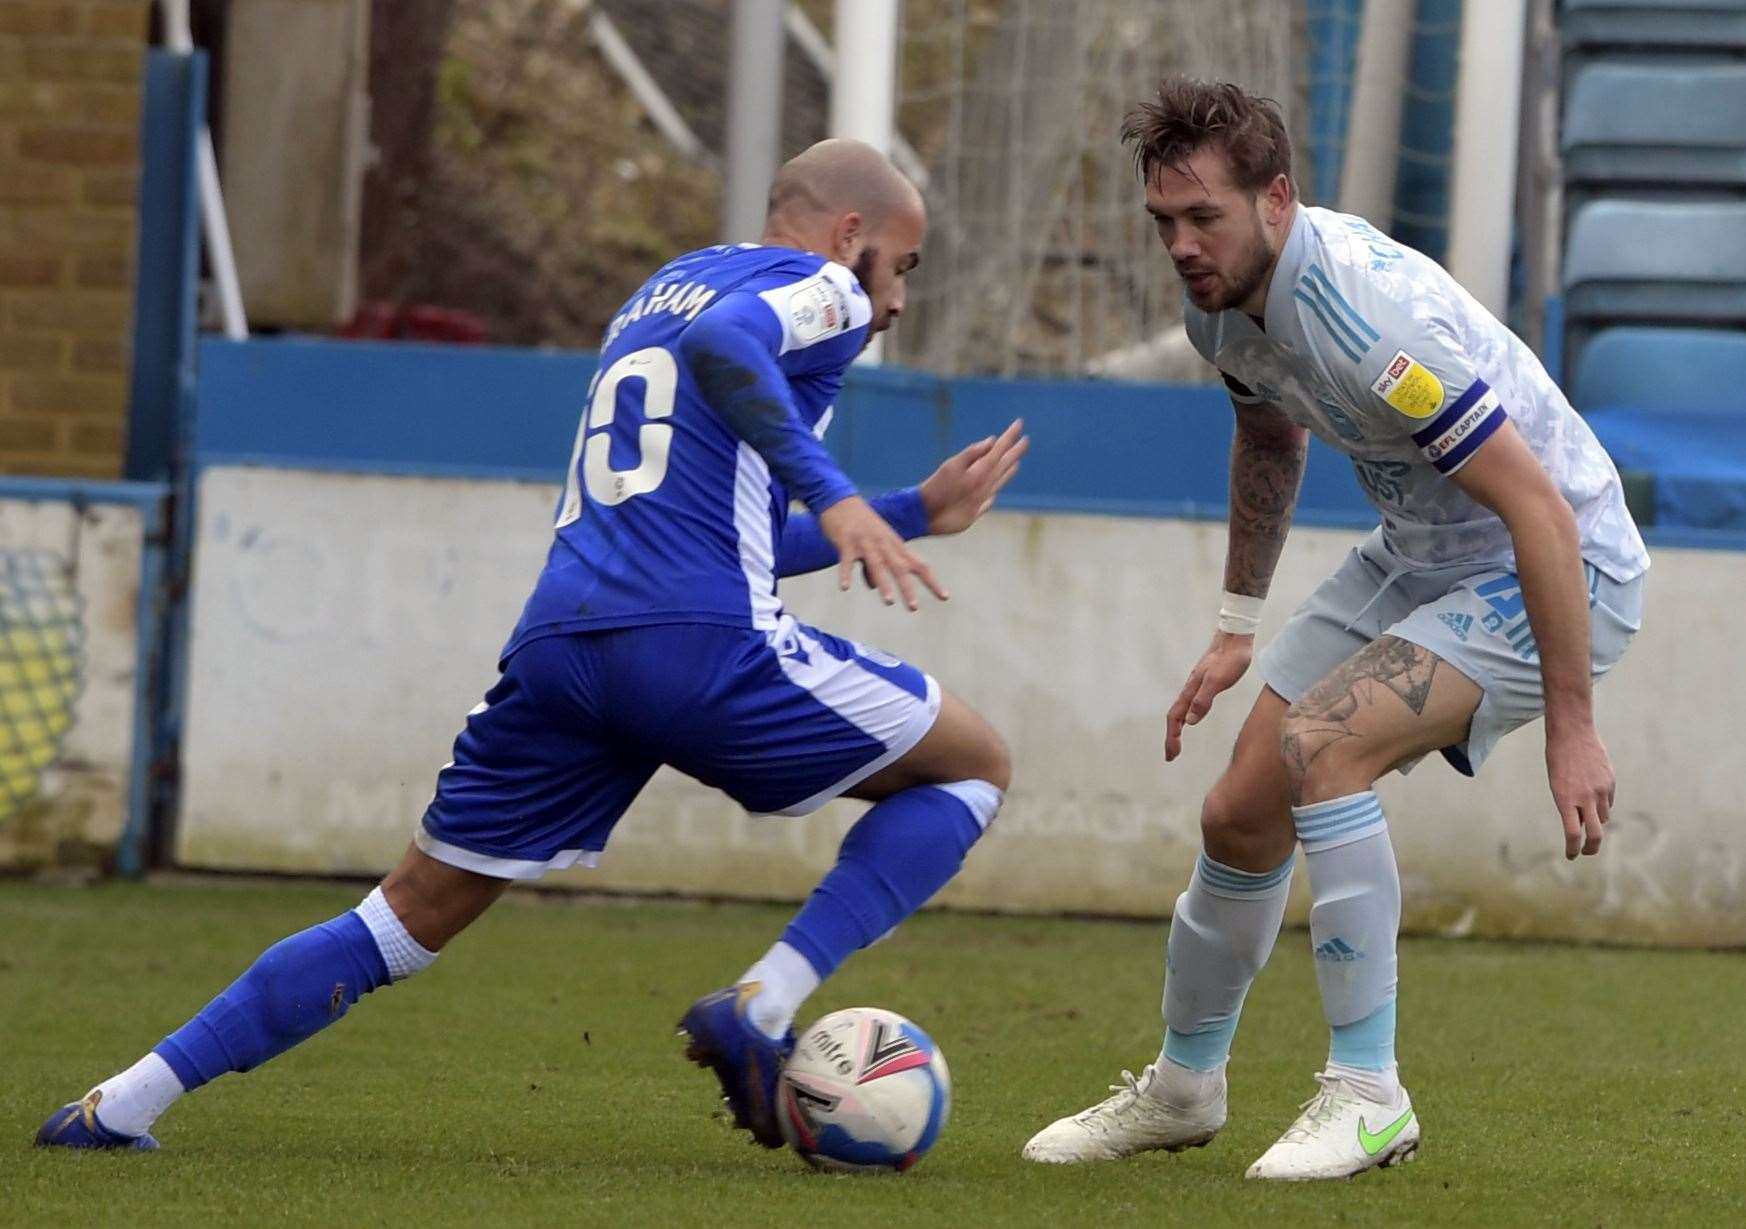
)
(1220, 936)
(1354, 924)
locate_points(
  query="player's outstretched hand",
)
(862, 536)
(1581, 774)
(964, 487)
(1224, 662)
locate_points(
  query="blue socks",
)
(295, 989)
(892, 861)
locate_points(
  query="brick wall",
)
(69, 166)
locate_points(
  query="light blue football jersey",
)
(667, 515)
(1377, 350)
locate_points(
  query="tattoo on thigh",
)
(1389, 666)
(1399, 666)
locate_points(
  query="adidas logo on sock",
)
(1337, 949)
(1458, 623)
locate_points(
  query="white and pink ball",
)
(865, 1091)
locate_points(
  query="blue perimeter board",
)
(483, 412)
(404, 408)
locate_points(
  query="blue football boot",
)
(743, 1058)
(75, 1125)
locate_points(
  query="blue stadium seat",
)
(1685, 371)
(1644, 260)
(1660, 122)
(1718, 25)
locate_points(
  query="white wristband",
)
(1240, 614)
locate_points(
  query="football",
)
(865, 1091)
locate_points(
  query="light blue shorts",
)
(1471, 616)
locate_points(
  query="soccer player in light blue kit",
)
(655, 636)
(1505, 577)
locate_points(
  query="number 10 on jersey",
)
(590, 459)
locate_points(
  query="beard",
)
(1245, 279)
(863, 268)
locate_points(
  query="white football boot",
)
(1142, 1116)
(1340, 1134)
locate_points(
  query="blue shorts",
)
(782, 721)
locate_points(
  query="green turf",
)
(531, 1076)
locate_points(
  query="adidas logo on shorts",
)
(1458, 623)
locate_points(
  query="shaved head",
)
(841, 176)
(844, 200)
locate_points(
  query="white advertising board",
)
(344, 624)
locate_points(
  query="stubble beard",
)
(1246, 280)
(863, 268)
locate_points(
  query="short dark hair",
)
(1190, 115)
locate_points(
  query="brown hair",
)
(1190, 115)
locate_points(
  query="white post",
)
(217, 227)
(1487, 121)
(179, 38)
(813, 46)
(864, 92)
(1373, 133)
(754, 117)
(644, 88)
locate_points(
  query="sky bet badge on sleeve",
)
(1409, 386)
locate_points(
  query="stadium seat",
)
(1643, 260)
(1686, 25)
(1686, 371)
(1662, 122)
(1669, 404)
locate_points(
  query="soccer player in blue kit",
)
(654, 636)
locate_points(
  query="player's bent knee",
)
(997, 757)
(977, 751)
(1240, 828)
(961, 746)
(980, 751)
(1221, 818)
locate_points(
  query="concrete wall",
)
(296, 136)
(69, 125)
(344, 624)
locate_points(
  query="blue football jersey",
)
(668, 516)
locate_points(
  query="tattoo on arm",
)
(1387, 667)
(1267, 460)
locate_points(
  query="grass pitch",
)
(532, 1076)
